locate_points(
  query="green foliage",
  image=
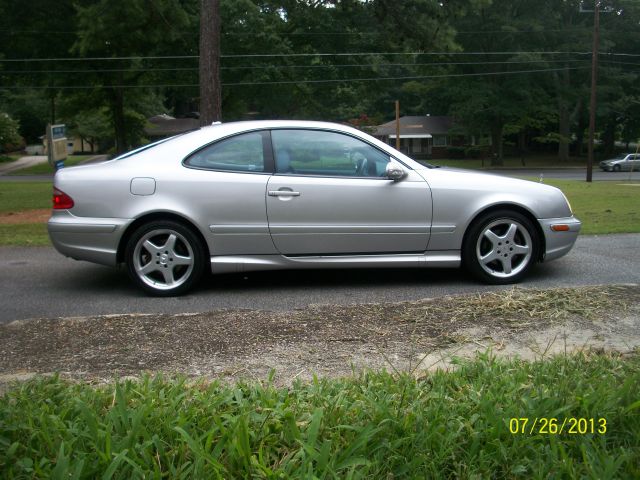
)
(445, 424)
(455, 152)
(8, 132)
(484, 91)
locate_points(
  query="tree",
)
(210, 88)
(9, 135)
(129, 32)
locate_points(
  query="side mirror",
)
(394, 172)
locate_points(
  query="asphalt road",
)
(38, 282)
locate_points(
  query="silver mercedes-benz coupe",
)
(267, 195)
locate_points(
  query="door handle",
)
(283, 193)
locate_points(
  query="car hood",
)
(544, 201)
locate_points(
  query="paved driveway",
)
(23, 162)
(39, 282)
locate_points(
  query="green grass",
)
(45, 168)
(603, 207)
(443, 425)
(9, 157)
(24, 234)
(19, 196)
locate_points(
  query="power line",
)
(320, 34)
(602, 54)
(287, 67)
(286, 55)
(290, 82)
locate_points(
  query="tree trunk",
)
(578, 113)
(522, 142)
(564, 118)
(608, 136)
(117, 113)
(564, 129)
(210, 97)
(496, 145)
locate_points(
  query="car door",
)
(223, 189)
(330, 195)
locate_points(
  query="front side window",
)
(316, 152)
(242, 153)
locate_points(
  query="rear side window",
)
(242, 153)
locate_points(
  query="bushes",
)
(472, 151)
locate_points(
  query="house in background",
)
(161, 126)
(421, 137)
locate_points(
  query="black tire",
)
(616, 168)
(500, 247)
(165, 258)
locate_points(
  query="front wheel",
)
(164, 258)
(616, 168)
(501, 247)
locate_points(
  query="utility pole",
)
(594, 83)
(594, 80)
(210, 95)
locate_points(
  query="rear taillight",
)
(61, 201)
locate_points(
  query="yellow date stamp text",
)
(557, 426)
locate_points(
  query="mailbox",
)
(57, 145)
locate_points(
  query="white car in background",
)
(622, 163)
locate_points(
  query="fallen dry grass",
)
(330, 340)
(559, 303)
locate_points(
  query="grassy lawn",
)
(603, 207)
(24, 234)
(20, 196)
(45, 168)
(468, 423)
(12, 157)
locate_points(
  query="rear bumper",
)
(83, 238)
(558, 243)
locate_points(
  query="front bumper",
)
(558, 243)
(84, 238)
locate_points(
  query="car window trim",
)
(306, 175)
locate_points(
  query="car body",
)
(623, 162)
(263, 195)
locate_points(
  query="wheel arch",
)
(157, 216)
(515, 208)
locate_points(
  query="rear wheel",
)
(165, 258)
(501, 247)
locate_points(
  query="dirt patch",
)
(324, 340)
(27, 216)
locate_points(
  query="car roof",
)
(184, 144)
(219, 130)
